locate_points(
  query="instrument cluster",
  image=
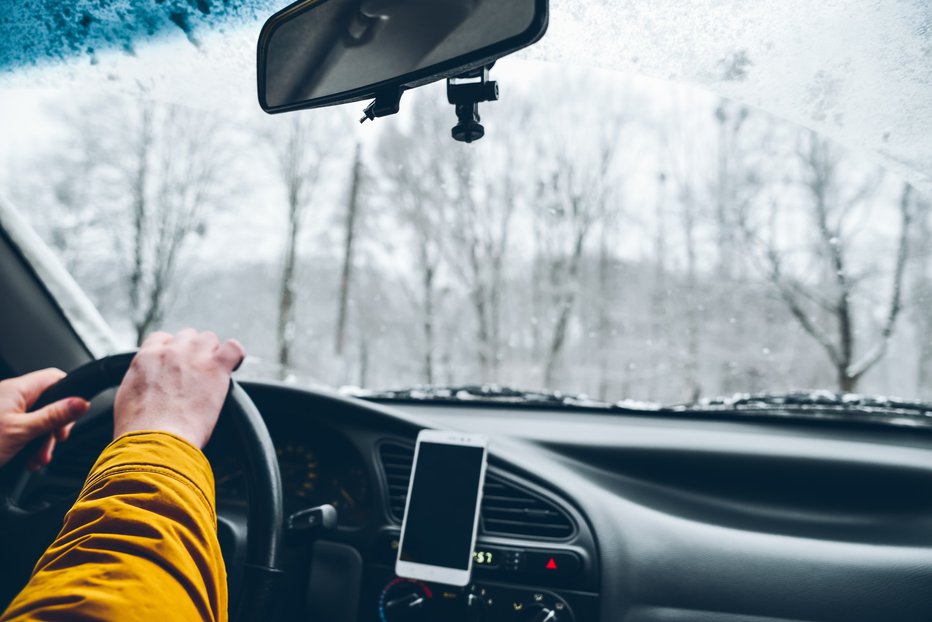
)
(318, 467)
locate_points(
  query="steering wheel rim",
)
(252, 588)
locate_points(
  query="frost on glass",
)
(859, 71)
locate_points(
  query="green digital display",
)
(484, 558)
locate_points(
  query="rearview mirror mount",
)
(317, 53)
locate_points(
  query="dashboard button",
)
(552, 563)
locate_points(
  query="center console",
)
(510, 583)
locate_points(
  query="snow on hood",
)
(859, 71)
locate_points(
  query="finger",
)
(43, 455)
(230, 354)
(31, 386)
(157, 338)
(208, 339)
(56, 415)
(186, 335)
(62, 433)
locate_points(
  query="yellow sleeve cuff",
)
(155, 451)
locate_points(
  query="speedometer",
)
(319, 467)
(298, 465)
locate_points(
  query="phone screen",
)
(441, 514)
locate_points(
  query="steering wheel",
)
(253, 561)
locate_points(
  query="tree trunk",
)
(349, 238)
(922, 300)
(846, 382)
(658, 321)
(604, 323)
(363, 362)
(285, 328)
(567, 302)
(483, 332)
(428, 325)
(692, 312)
(140, 216)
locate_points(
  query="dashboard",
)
(318, 466)
(535, 557)
(591, 517)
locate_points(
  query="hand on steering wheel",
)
(177, 384)
(164, 370)
(19, 427)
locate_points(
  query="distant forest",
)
(645, 242)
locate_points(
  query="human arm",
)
(141, 539)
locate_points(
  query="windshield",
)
(613, 235)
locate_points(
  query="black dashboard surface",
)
(718, 520)
(672, 518)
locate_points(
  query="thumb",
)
(56, 415)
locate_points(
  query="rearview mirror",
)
(324, 52)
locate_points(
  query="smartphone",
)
(438, 533)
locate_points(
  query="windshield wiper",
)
(818, 405)
(499, 394)
(806, 399)
(485, 393)
(808, 405)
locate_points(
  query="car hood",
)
(859, 72)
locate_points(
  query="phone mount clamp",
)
(465, 97)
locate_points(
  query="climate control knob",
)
(541, 614)
(547, 613)
(403, 600)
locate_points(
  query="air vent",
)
(396, 463)
(507, 509)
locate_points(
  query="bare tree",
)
(921, 293)
(832, 218)
(349, 239)
(681, 153)
(658, 295)
(731, 182)
(486, 199)
(568, 204)
(605, 329)
(131, 185)
(139, 182)
(167, 163)
(414, 176)
(299, 155)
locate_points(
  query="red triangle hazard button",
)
(552, 564)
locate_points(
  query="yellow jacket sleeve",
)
(140, 542)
